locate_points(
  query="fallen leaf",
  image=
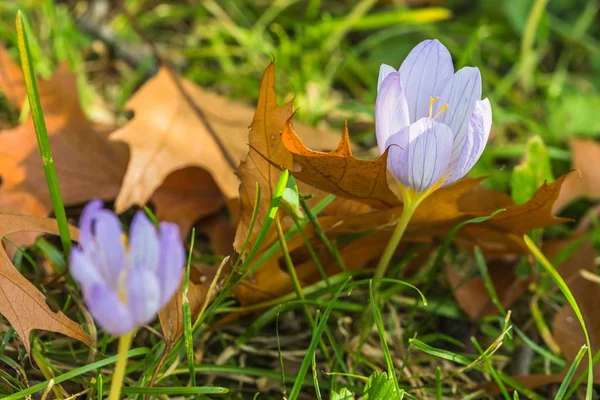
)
(265, 148)
(87, 164)
(168, 135)
(585, 159)
(338, 171)
(171, 315)
(21, 303)
(456, 203)
(169, 140)
(565, 326)
(472, 295)
(187, 195)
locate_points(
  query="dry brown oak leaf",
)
(341, 173)
(166, 134)
(21, 303)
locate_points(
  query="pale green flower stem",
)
(412, 200)
(119, 373)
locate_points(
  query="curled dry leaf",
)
(463, 200)
(339, 172)
(21, 303)
(265, 146)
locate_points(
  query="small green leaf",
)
(380, 387)
(343, 394)
(534, 170)
(291, 197)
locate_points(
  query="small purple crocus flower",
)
(432, 119)
(125, 284)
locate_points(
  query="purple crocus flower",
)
(432, 119)
(124, 283)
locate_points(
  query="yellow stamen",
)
(431, 101)
(440, 112)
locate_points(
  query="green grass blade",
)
(176, 390)
(187, 314)
(487, 280)
(41, 132)
(314, 342)
(381, 329)
(572, 302)
(74, 373)
(562, 390)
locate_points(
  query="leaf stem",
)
(119, 374)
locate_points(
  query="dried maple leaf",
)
(339, 172)
(21, 303)
(266, 149)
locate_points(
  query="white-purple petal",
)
(460, 93)
(172, 260)
(480, 125)
(143, 242)
(419, 154)
(424, 73)
(391, 110)
(108, 250)
(83, 269)
(108, 311)
(86, 221)
(384, 71)
(143, 294)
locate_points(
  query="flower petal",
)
(384, 71)
(108, 311)
(461, 93)
(480, 125)
(143, 294)
(391, 110)
(83, 269)
(108, 253)
(419, 153)
(143, 241)
(86, 221)
(424, 73)
(172, 260)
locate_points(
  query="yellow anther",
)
(432, 100)
(441, 111)
(124, 240)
